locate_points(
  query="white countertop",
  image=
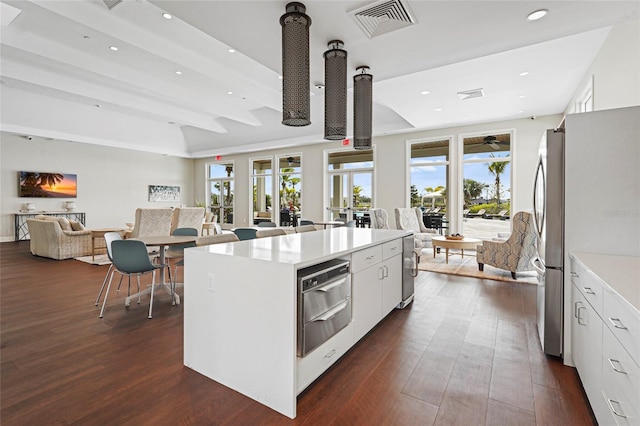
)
(306, 248)
(620, 273)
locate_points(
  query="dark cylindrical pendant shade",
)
(296, 95)
(362, 109)
(335, 91)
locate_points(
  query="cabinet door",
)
(391, 283)
(587, 349)
(367, 300)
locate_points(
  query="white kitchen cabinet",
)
(606, 334)
(366, 287)
(391, 276)
(587, 348)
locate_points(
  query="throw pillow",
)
(76, 226)
(64, 224)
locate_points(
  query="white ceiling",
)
(56, 67)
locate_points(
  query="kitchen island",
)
(240, 307)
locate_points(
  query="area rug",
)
(100, 259)
(468, 267)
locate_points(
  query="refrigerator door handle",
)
(539, 269)
(414, 270)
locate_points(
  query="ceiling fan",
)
(492, 141)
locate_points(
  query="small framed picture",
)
(162, 193)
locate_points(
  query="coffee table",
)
(97, 234)
(465, 243)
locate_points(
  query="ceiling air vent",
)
(111, 3)
(382, 17)
(470, 94)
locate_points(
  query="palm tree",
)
(472, 189)
(357, 190)
(496, 168)
(51, 179)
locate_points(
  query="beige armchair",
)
(152, 223)
(187, 217)
(410, 219)
(517, 252)
(379, 218)
(58, 238)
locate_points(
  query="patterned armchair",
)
(516, 253)
(379, 218)
(58, 238)
(187, 217)
(152, 223)
(410, 219)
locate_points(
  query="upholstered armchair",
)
(410, 219)
(379, 218)
(152, 223)
(187, 217)
(58, 238)
(515, 253)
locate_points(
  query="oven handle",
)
(334, 284)
(333, 312)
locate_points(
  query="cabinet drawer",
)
(364, 258)
(588, 284)
(624, 323)
(621, 382)
(391, 248)
(317, 362)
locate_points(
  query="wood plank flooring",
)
(464, 353)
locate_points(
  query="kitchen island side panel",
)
(242, 332)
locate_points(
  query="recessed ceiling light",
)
(86, 37)
(179, 72)
(114, 48)
(98, 106)
(231, 50)
(520, 111)
(438, 109)
(172, 122)
(523, 73)
(425, 92)
(534, 16)
(229, 92)
(280, 77)
(522, 96)
(165, 15)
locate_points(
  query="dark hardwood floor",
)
(464, 353)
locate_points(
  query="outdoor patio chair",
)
(479, 213)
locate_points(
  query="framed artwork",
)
(160, 193)
(47, 185)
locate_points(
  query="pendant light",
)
(335, 91)
(295, 66)
(362, 108)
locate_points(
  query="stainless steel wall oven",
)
(324, 303)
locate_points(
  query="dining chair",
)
(177, 252)
(110, 237)
(351, 224)
(130, 258)
(187, 217)
(270, 232)
(245, 233)
(216, 239)
(267, 224)
(305, 228)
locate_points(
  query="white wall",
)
(112, 182)
(615, 70)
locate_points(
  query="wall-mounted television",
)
(47, 185)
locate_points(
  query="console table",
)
(22, 231)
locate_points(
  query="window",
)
(290, 188)
(220, 191)
(350, 183)
(486, 184)
(262, 178)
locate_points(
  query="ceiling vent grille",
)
(111, 3)
(470, 94)
(382, 17)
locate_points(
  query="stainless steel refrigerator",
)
(586, 199)
(548, 213)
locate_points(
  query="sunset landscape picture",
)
(48, 185)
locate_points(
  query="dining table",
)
(332, 223)
(162, 242)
